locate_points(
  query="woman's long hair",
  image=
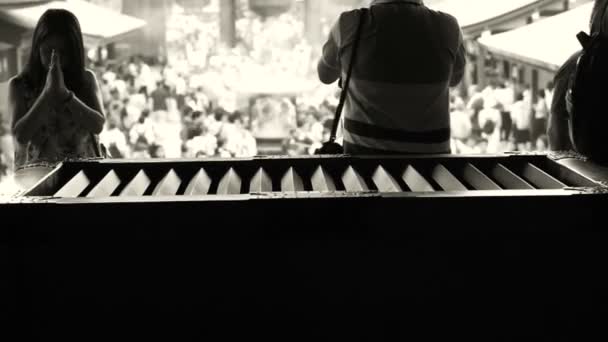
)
(64, 24)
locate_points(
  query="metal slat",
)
(353, 182)
(75, 186)
(578, 172)
(322, 181)
(199, 184)
(508, 179)
(540, 178)
(384, 181)
(137, 186)
(447, 180)
(105, 187)
(261, 182)
(291, 181)
(478, 179)
(169, 185)
(230, 184)
(415, 181)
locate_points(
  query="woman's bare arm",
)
(25, 124)
(88, 111)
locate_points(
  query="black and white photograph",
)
(308, 170)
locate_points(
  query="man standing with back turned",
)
(398, 98)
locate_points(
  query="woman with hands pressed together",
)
(55, 102)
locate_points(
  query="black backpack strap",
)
(584, 39)
(344, 93)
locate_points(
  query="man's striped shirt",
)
(408, 57)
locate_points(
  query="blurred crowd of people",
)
(173, 120)
(151, 112)
(189, 105)
(503, 117)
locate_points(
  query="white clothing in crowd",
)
(144, 130)
(117, 138)
(461, 125)
(548, 97)
(109, 76)
(541, 110)
(241, 144)
(505, 96)
(205, 144)
(491, 114)
(521, 115)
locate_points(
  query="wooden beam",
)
(353, 182)
(228, 22)
(106, 187)
(292, 182)
(478, 179)
(415, 181)
(447, 180)
(169, 185)
(75, 186)
(230, 184)
(137, 186)
(322, 181)
(261, 182)
(509, 180)
(199, 184)
(384, 181)
(540, 178)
